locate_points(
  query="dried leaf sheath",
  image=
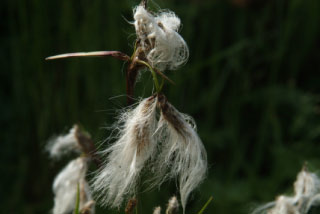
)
(127, 156)
(183, 154)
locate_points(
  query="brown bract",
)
(132, 203)
(171, 115)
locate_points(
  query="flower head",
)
(159, 40)
(180, 152)
(128, 155)
(173, 206)
(65, 188)
(183, 154)
(306, 195)
(64, 144)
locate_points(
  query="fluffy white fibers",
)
(307, 184)
(117, 179)
(64, 144)
(183, 153)
(159, 39)
(157, 210)
(173, 206)
(306, 195)
(65, 188)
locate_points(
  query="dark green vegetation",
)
(252, 84)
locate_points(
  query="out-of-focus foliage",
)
(252, 84)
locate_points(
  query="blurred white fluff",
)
(173, 206)
(157, 210)
(128, 155)
(159, 39)
(306, 195)
(65, 188)
(63, 144)
(183, 153)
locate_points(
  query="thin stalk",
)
(205, 205)
(154, 75)
(76, 209)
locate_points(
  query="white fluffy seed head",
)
(306, 195)
(65, 188)
(307, 184)
(183, 154)
(63, 144)
(284, 205)
(159, 39)
(173, 206)
(157, 210)
(117, 179)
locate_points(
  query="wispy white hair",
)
(173, 206)
(159, 39)
(65, 188)
(183, 153)
(117, 179)
(157, 210)
(63, 144)
(306, 195)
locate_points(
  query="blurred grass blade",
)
(115, 54)
(205, 205)
(76, 210)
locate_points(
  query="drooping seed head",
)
(135, 144)
(64, 144)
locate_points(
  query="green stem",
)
(76, 210)
(205, 205)
(154, 75)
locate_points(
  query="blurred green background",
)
(252, 84)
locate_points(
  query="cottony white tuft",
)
(306, 185)
(307, 195)
(157, 210)
(173, 206)
(65, 188)
(128, 155)
(63, 144)
(159, 39)
(183, 153)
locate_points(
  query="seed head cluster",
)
(169, 147)
(159, 39)
(152, 136)
(71, 181)
(128, 155)
(306, 195)
(63, 144)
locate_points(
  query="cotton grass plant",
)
(70, 186)
(150, 135)
(306, 195)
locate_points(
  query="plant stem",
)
(154, 75)
(205, 205)
(76, 210)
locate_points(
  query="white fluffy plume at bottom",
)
(183, 155)
(65, 188)
(306, 195)
(117, 179)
